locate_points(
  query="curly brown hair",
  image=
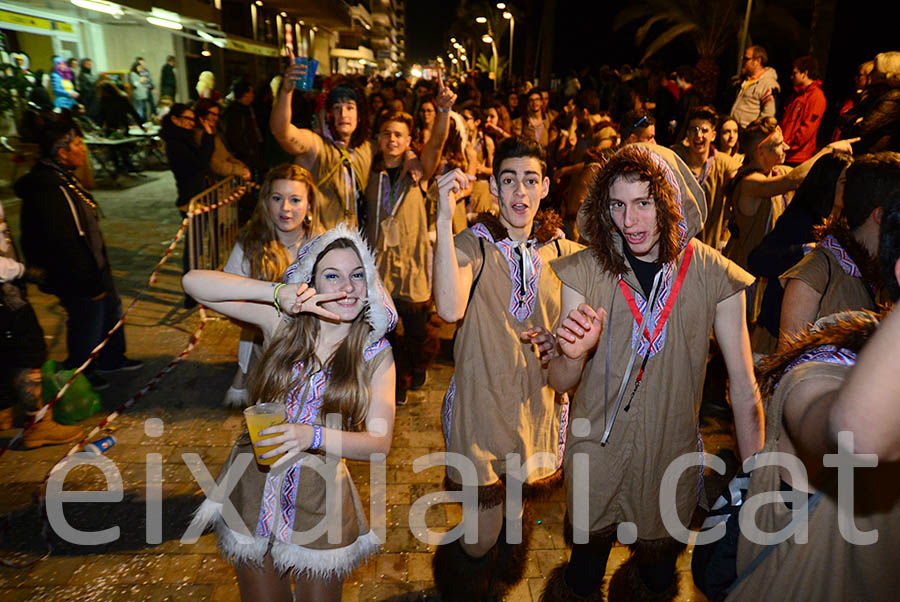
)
(596, 224)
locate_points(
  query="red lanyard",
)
(670, 302)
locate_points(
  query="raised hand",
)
(293, 73)
(445, 96)
(544, 340)
(296, 298)
(450, 185)
(843, 145)
(578, 334)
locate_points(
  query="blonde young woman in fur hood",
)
(637, 309)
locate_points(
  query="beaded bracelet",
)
(275, 298)
(317, 437)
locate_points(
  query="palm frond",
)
(666, 37)
(641, 34)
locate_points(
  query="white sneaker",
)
(236, 398)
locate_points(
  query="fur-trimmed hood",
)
(380, 311)
(681, 203)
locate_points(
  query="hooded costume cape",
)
(624, 477)
(280, 510)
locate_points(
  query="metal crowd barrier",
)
(213, 224)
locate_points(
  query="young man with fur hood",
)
(638, 306)
(833, 392)
(495, 280)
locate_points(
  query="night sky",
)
(584, 36)
(427, 24)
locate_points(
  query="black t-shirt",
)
(393, 173)
(644, 270)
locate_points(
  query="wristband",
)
(443, 110)
(317, 437)
(275, 298)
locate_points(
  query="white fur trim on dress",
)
(324, 564)
(380, 312)
(237, 548)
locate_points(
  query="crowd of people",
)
(605, 254)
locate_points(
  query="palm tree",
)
(712, 25)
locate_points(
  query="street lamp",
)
(481, 19)
(501, 6)
(512, 26)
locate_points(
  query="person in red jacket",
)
(803, 114)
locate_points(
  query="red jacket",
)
(801, 120)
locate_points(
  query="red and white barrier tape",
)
(195, 337)
(234, 196)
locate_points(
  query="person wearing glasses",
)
(240, 129)
(222, 162)
(756, 97)
(189, 160)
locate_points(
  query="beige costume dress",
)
(751, 229)
(397, 230)
(340, 174)
(714, 178)
(307, 515)
(625, 475)
(498, 402)
(827, 567)
(830, 271)
(481, 200)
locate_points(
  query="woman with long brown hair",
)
(328, 362)
(282, 223)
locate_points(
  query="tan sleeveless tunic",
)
(499, 401)
(335, 181)
(272, 521)
(823, 273)
(827, 568)
(400, 240)
(662, 424)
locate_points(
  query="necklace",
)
(75, 187)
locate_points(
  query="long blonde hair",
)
(267, 257)
(347, 391)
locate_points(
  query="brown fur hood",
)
(681, 204)
(546, 227)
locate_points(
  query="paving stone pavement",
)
(139, 222)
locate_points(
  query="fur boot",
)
(626, 583)
(461, 578)
(556, 590)
(511, 558)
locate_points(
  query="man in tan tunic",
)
(841, 273)
(397, 230)
(494, 279)
(712, 169)
(638, 307)
(825, 393)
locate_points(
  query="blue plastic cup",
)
(311, 66)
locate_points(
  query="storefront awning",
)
(240, 45)
(348, 53)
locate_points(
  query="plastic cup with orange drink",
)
(260, 417)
